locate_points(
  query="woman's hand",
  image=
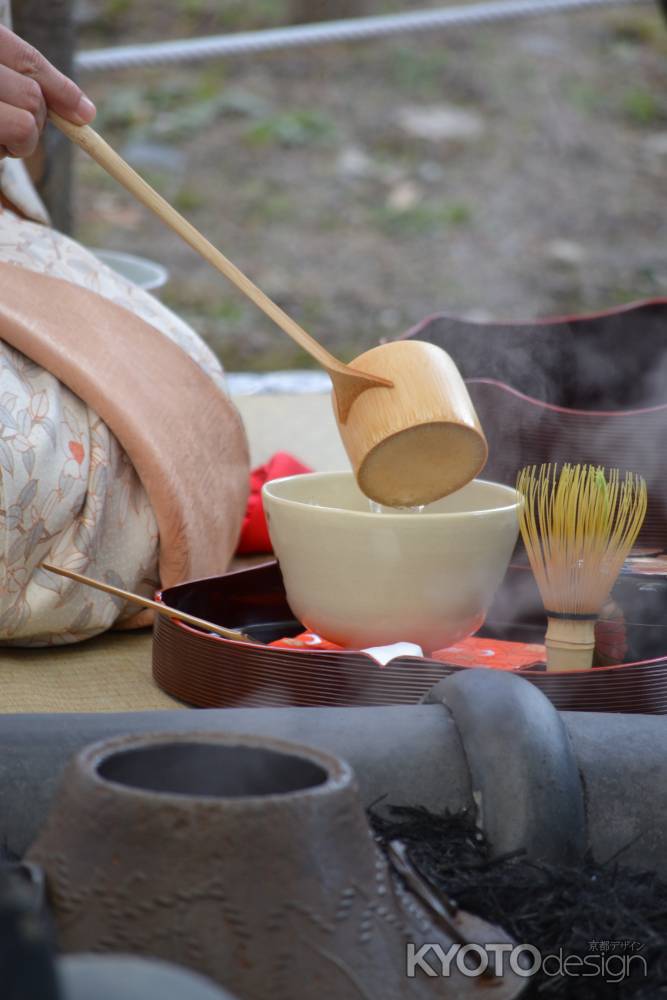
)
(29, 84)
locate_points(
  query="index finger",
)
(61, 93)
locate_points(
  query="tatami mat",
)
(111, 673)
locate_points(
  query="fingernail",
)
(85, 110)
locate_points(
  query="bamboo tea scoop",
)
(146, 602)
(412, 440)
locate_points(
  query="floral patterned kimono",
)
(120, 454)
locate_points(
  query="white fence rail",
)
(354, 29)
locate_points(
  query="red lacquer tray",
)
(206, 671)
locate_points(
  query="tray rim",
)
(608, 671)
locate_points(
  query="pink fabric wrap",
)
(181, 432)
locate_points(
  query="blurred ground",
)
(510, 171)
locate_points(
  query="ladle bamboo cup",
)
(146, 602)
(419, 440)
(414, 439)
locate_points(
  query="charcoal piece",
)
(594, 908)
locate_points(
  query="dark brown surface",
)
(606, 361)
(589, 389)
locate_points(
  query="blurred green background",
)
(507, 171)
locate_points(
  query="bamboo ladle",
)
(348, 383)
(415, 439)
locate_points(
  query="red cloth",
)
(305, 640)
(500, 654)
(254, 532)
(471, 652)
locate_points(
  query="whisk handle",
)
(570, 643)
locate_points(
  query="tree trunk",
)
(50, 28)
(303, 11)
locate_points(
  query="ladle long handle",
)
(146, 602)
(96, 147)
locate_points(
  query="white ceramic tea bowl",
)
(361, 579)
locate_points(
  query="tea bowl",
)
(361, 578)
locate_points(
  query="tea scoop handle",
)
(147, 602)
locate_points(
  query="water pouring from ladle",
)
(411, 440)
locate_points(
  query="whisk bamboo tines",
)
(578, 525)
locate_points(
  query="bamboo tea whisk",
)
(578, 525)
